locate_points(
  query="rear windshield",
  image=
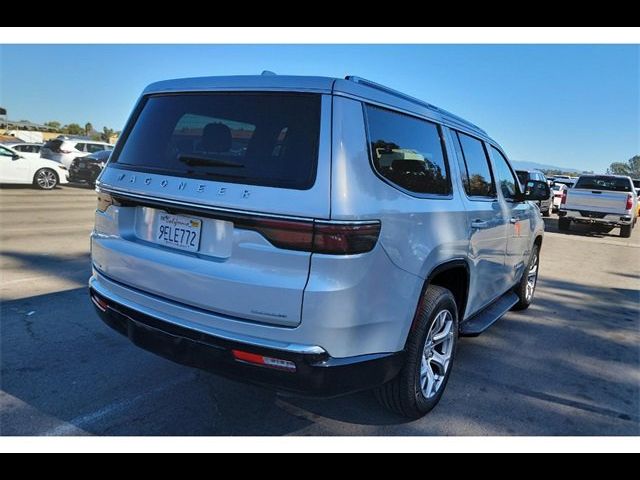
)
(604, 183)
(258, 139)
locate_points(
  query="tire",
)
(547, 212)
(525, 290)
(564, 224)
(45, 179)
(626, 231)
(437, 316)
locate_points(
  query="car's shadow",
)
(593, 231)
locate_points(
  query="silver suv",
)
(316, 235)
(65, 150)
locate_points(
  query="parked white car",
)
(28, 168)
(65, 150)
(558, 192)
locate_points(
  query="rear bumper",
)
(599, 218)
(316, 375)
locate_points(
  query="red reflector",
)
(266, 362)
(101, 304)
(248, 357)
(564, 197)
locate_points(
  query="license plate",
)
(179, 232)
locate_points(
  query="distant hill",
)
(542, 166)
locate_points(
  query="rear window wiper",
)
(195, 160)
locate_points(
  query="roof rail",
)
(404, 96)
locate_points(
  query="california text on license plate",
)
(180, 232)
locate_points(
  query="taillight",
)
(317, 237)
(564, 197)
(291, 235)
(629, 202)
(345, 239)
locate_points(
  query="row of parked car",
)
(55, 162)
(602, 201)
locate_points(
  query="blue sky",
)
(573, 106)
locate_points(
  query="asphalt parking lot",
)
(568, 366)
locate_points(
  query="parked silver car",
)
(317, 235)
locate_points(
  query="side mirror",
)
(16, 156)
(535, 190)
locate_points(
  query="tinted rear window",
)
(604, 183)
(257, 139)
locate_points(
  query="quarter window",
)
(408, 152)
(478, 181)
(504, 175)
(81, 147)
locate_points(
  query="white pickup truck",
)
(601, 200)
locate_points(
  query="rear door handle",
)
(479, 225)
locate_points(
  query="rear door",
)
(519, 226)
(488, 222)
(217, 193)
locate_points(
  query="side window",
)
(478, 181)
(504, 174)
(408, 152)
(93, 147)
(20, 148)
(81, 147)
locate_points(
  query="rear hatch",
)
(51, 149)
(213, 197)
(600, 194)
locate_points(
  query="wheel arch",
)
(455, 276)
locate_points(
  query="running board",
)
(480, 322)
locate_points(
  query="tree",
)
(107, 133)
(630, 168)
(53, 125)
(73, 129)
(88, 128)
